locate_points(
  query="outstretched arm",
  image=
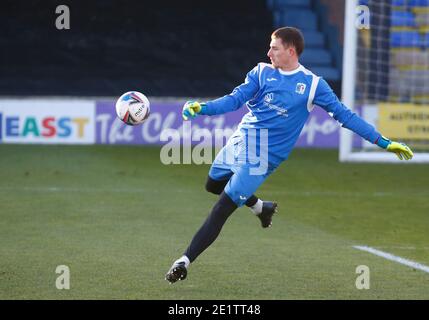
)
(326, 99)
(230, 102)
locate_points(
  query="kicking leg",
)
(264, 210)
(243, 184)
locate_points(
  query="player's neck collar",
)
(287, 73)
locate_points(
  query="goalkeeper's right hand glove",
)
(400, 149)
(191, 109)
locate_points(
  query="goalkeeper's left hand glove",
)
(191, 109)
(400, 149)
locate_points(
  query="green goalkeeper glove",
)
(400, 149)
(191, 109)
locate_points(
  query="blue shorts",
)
(245, 174)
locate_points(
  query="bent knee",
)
(215, 186)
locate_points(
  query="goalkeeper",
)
(279, 97)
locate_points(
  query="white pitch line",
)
(392, 257)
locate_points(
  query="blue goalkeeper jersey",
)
(281, 102)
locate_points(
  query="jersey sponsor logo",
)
(271, 79)
(300, 88)
(269, 97)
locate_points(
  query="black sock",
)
(251, 201)
(211, 228)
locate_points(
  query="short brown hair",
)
(290, 36)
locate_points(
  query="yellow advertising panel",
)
(404, 120)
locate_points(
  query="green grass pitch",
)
(118, 218)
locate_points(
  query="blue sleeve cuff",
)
(204, 108)
(383, 142)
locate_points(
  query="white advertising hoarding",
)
(47, 121)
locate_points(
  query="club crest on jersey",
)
(300, 88)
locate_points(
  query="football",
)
(133, 108)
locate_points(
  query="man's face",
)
(280, 55)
